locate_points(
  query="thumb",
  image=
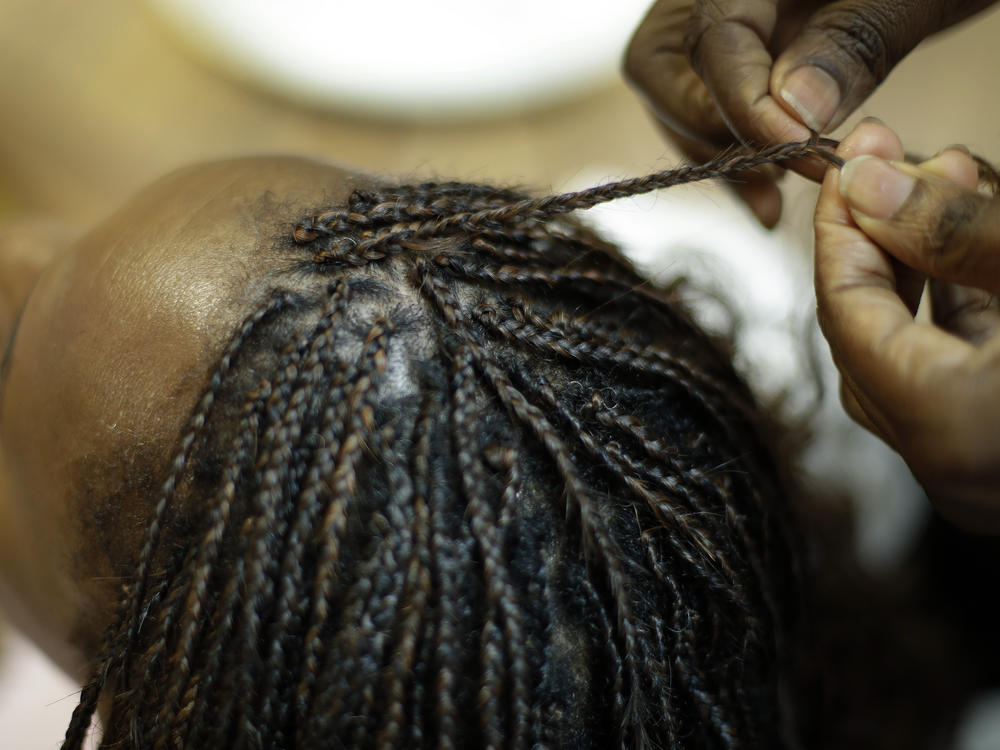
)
(932, 225)
(845, 51)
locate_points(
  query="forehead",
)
(119, 333)
(160, 285)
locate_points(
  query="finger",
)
(954, 164)
(727, 44)
(929, 223)
(901, 368)
(846, 50)
(656, 65)
(971, 314)
(872, 137)
(757, 188)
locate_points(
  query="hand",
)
(718, 72)
(931, 390)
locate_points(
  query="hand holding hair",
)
(719, 72)
(930, 390)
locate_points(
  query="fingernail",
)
(874, 187)
(955, 147)
(813, 94)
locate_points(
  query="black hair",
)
(463, 479)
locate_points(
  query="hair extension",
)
(465, 479)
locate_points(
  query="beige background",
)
(95, 100)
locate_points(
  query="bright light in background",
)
(425, 59)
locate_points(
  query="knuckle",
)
(657, 39)
(953, 249)
(634, 62)
(864, 38)
(949, 234)
(704, 17)
(941, 221)
(642, 61)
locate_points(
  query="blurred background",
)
(97, 99)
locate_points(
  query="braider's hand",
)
(717, 72)
(930, 390)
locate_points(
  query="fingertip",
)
(871, 136)
(773, 124)
(931, 224)
(874, 187)
(830, 206)
(954, 164)
(809, 94)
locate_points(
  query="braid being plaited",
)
(424, 223)
(465, 479)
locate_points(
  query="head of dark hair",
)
(464, 479)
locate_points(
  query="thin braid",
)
(671, 472)
(590, 521)
(422, 637)
(592, 342)
(412, 606)
(333, 522)
(491, 647)
(350, 696)
(514, 625)
(585, 280)
(129, 619)
(291, 604)
(452, 553)
(588, 337)
(279, 479)
(196, 593)
(501, 595)
(290, 611)
(625, 471)
(552, 205)
(276, 391)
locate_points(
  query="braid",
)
(597, 540)
(481, 485)
(121, 637)
(510, 212)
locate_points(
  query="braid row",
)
(538, 209)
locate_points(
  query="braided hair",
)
(463, 479)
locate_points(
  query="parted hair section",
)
(464, 479)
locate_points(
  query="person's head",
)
(293, 458)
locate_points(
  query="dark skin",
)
(116, 337)
(720, 72)
(928, 388)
